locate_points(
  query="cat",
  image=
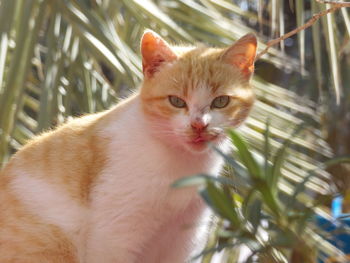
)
(98, 188)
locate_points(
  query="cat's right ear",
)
(155, 51)
(242, 54)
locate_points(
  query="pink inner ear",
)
(244, 64)
(152, 67)
(242, 54)
(155, 52)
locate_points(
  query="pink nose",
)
(199, 126)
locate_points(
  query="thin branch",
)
(310, 22)
(332, 2)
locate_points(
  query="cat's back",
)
(44, 190)
(67, 157)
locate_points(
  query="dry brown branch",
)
(310, 22)
(332, 2)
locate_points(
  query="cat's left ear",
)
(155, 52)
(242, 54)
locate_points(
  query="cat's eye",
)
(177, 102)
(220, 102)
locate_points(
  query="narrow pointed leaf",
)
(220, 202)
(245, 155)
(280, 158)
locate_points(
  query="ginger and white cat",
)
(97, 189)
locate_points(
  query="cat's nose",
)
(199, 125)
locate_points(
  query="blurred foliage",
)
(253, 212)
(63, 58)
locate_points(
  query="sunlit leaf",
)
(220, 202)
(245, 155)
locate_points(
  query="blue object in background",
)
(335, 226)
(337, 206)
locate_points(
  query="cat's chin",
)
(197, 147)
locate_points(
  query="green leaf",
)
(201, 179)
(220, 202)
(245, 155)
(307, 214)
(283, 239)
(240, 171)
(254, 214)
(189, 181)
(250, 197)
(292, 199)
(268, 197)
(267, 147)
(337, 160)
(280, 157)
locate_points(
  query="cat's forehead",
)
(200, 96)
(198, 55)
(202, 69)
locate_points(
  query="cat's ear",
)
(242, 54)
(155, 51)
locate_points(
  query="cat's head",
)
(191, 95)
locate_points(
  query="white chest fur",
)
(133, 200)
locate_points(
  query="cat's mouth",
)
(200, 141)
(203, 138)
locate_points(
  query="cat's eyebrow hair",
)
(156, 98)
(241, 99)
(236, 97)
(214, 87)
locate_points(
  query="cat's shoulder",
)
(79, 128)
